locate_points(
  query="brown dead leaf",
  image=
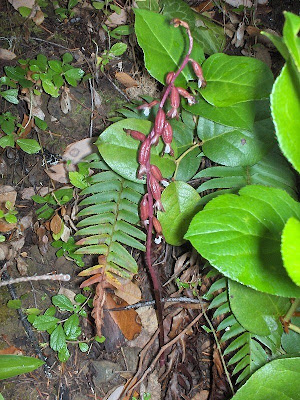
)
(24, 133)
(6, 227)
(68, 293)
(22, 3)
(27, 193)
(7, 193)
(116, 19)
(97, 98)
(126, 79)
(65, 101)
(12, 350)
(39, 17)
(203, 395)
(125, 319)
(129, 292)
(204, 6)
(56, 224)
(76, 151)
(6, 55)
(58, 173)
(22, 266)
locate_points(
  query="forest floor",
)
(94, 374)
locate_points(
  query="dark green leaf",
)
(62, 302)
(44, 322)
(30, 146)
(11, 365)
(58, 339)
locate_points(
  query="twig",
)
(52, 43)
(164, 348)
(54, 277)
(186, 300)
(291, 310)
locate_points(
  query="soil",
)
(110, 364)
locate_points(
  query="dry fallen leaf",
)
(126, 79)
(129, 292)
(76, 151)
(12, 350)
(68, 293)
(22, 266)
(203, 395)
(39, 17)
(27, 125)
(116, 19)
(22, 3)
(58, 173)
(65, 101)
(6, 55)
(56, 224)
(97, 98)
(7, 193)
(125, 319)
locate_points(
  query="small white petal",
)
(146, 111)
(165, 183)
(167, 149)
(158, 240)
(199, 83)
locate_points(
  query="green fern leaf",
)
(273, 170)
(109, 221)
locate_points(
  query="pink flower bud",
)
(157, 226)
(167, 134)
(173, 113)
(159, 121)
(169, 77)
(177, 22)
(142, 171)
(136, 135)
(144, 151)
(155, 140)
(199, 73)
(184, 93)
(155, 171)
(155, 188)
(174, 97)
(147, 106)
(144, 208)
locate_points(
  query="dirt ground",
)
(110, 364)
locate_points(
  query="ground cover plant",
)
(201, 167)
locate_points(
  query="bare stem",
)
(55, 277)
(291, 310)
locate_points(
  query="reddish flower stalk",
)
(154, 178)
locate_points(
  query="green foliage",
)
(115, 51)
(209, 36)
(240, 236)
(12, 134)
(10, 214)
(47, 75)
(180, 202)
(106, 6)
(55, 198)
(110, 218)
(279, 379)
(290, 249)
(285, 97)
(272, 170)
(234, 79)
(11, 365)
(163, 46)
(62, 331)
(68, 250)
(63, 12)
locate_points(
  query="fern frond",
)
(248, 351)
(273, 170)
(109, 220)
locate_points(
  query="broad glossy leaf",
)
(240, 115)
(71, 327)
(188, 165)
(277, 380)
(240, 236)
(74, 73)
(30, 146)
(44, 322)
(10, 95)
(232, 146)
(58, 339)
(290, 36)
(164, 46)
(209, 36)
(11, 365)
(119, 150)
(291, 341)
(234, 79)
(290, 249)
(257, 312)
(49, 87)
(180, 203)
(285, 105)
(63, 302)
(151, 5)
